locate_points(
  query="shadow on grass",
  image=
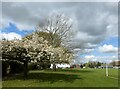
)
(47, 77)
(76, 71)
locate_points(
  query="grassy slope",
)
(65, 78)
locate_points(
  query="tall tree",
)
(58, 26)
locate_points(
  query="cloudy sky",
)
(95, 24)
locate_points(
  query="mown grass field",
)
(65, 78)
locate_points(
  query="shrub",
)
(32, 66)
(35, 66)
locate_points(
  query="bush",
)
(32, 66)
(44, 66)
(40, 66)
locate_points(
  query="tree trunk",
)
(54, 67)
(25, 69)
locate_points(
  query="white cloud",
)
(89, 56)
(10, 36)
(60, 1)
(87, 50)
(108, 49)
(82, 51)
(24, 26)
(112, 28)
(107, 59)
(3, 23)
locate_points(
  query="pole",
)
(106, 70)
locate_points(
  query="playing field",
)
(65, 78)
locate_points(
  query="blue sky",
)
(12, 28)
(95, 25)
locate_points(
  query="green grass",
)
(65, 78)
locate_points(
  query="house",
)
(61, 66)
(116, 64)
(104, 66)
(76, 66)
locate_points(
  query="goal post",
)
(106, 69)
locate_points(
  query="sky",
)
(95, 25)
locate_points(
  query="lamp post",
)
(106, 69)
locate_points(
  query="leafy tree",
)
(93, 64)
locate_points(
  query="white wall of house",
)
(61, 66)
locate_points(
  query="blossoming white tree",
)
(40, 50)
(60, 55)
(37, 48)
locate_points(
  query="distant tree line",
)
(93, 64)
